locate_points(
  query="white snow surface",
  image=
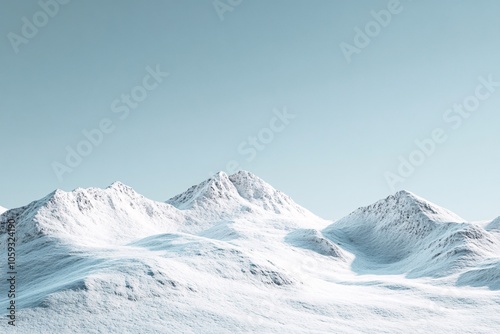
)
(233, 254)
(2, 209)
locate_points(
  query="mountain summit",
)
(397, 218)
(240, 192)
(408, 234)
(94, 216)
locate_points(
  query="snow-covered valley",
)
(233, 254)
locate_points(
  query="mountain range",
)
(233, 254)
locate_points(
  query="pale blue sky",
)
(353, 120)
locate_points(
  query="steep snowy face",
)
(226, 196)
(407, 227)
(110, 216)
(2, 209)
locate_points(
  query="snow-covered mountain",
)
(2, 209)
(95, 216)
(405, 233)
(224, 196)
(233, 254)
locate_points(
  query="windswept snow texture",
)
(233, 254)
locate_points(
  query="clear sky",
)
(357, 99)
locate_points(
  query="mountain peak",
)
(219, 175)
(118, 184)
(250, 186)
(258, 192)
(405, 193)
(398, 210)
(407, 229)
(409, 202)
(217, 187)
(95, 215)
(121, 187)
(241, 191)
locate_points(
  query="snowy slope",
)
(2, 209)
(233, 254)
